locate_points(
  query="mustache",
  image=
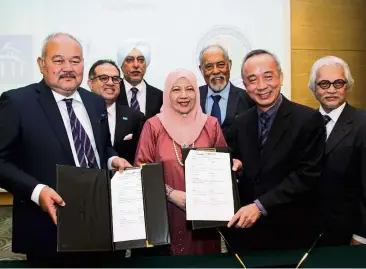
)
(332, 96)
(67, 75)
(217, 76)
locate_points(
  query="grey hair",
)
(226, 54)
(329, 60)
(259, 52)
(53, 36)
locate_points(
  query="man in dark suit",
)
(281, 146)
(342, 190)
(219, 97)
(53, 122)
(134, 57)
(125, 123)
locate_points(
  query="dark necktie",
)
(264, 121)
(326, 119)
(215, 111)
(83, 147)
(134, 103)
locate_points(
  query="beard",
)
(218, 87)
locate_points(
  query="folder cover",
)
(197, 224)
(85, 223)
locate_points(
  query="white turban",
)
(128, 46)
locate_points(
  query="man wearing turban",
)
(134, 57)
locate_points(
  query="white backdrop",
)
(176, 31)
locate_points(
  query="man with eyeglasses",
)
(342, 190)
(42, 125)
(219, 97)
(125, 123)
(133, 57)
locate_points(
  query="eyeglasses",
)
(105, 78)
(325, 84)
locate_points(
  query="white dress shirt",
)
(83, 117)
(334, 115)
(141, 94)
(112, 120)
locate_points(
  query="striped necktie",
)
(264, 120)
(83, 147)
(134, 103)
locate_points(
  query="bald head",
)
(58, 36)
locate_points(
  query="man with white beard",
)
(219, 97)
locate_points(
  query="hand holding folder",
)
(212, 195)
(86, 223)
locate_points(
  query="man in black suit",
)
(125, 123)
(134, 57)
(281, 145)
(219, 97)
(343, 185)
(53, 122)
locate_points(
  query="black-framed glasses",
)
(325, 84)
(105, 78)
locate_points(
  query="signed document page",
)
(209, 190)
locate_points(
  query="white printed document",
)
(209, 190)
(127, 206)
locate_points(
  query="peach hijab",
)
(183, 129)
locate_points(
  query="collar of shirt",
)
(224, 93)
(273, 110)
(141, 86)
(335, 113)
(112, 110)
(59, 97)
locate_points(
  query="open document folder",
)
(211, 190)
(103, 213)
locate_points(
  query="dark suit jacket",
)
(283, 177)
(128, 121)
(343, 185)
(33, 141)
(238, 102)
(154, 99)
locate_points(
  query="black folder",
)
(197, 224)
(85, 223)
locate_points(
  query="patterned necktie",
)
(326, 119)
(264, 120)
(134, 103)
(215, 111)
(83, 147)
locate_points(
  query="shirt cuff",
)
(36, 192)
(261, 208)
(360, 239)
(109, 163)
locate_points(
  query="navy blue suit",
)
(33, 141)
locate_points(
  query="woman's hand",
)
(178, 198)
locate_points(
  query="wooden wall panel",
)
(327, 27)
(328, 24)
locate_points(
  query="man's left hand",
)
(246, 216)
(120, 164)
(237, 165)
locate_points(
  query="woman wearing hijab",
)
(181, 124)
